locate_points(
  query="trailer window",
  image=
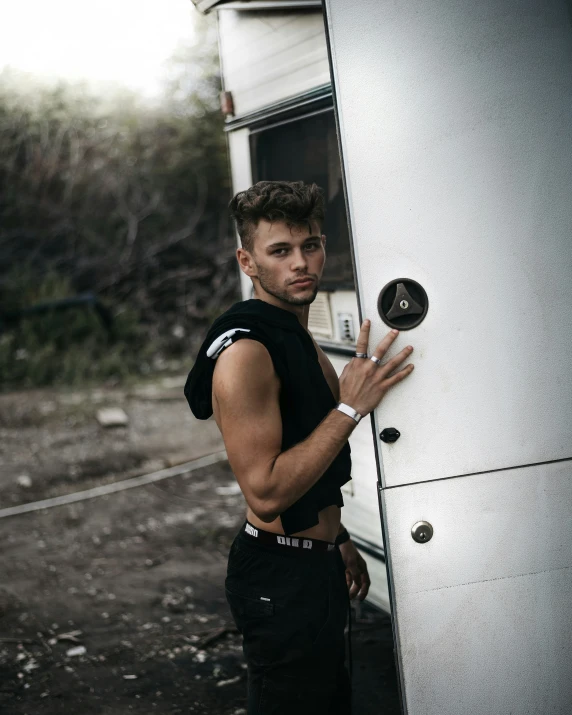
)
(307, 150)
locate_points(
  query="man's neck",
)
(300, 311)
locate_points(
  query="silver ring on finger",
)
(361, 355)
(375, 359)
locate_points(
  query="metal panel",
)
(483, 609)
(455, 128)
(239, 150)
(269, 56)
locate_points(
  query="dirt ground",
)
(115, 604)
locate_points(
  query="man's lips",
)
(303, 281)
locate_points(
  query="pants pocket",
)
(248, 606)
(256, 621)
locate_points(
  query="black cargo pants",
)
(291, 606)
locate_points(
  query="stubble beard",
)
(270, 287)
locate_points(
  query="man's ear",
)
(324, 240)
(246, 262)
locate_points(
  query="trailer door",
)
(455, 124)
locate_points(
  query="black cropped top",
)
(305, 396)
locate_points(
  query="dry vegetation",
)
(121, 200)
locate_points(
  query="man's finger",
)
(350, 583)
(363, 338)
(384, 344)
(365, 584)
(355, 585)
(349, 579)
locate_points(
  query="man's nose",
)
(299, 259)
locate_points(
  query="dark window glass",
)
(307, 150)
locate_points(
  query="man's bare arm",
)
(247, 391)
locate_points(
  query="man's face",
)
(283, 255)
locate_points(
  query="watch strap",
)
(347, 410)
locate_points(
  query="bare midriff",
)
(326, 529)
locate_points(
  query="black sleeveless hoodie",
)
(305, 396)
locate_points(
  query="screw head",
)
(389, 434)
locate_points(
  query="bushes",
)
(121, 199)
(68, 346)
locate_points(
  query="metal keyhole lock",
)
(422, 531)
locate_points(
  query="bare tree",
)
(125, 200)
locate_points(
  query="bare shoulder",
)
(246, 407)
(244, 368)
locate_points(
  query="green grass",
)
(67, 347)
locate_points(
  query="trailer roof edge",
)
(205, 6)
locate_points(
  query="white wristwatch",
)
(347, 410)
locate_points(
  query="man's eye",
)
(312, 246)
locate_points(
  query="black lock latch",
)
(389, 434)
(403, 304)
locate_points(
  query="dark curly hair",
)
(294, 202)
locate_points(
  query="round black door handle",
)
(402, 304)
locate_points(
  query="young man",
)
(285, 419)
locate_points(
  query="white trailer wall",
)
(456, 123)
(268, 56)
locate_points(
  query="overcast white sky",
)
(124, 41)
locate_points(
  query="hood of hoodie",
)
(254, 316)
